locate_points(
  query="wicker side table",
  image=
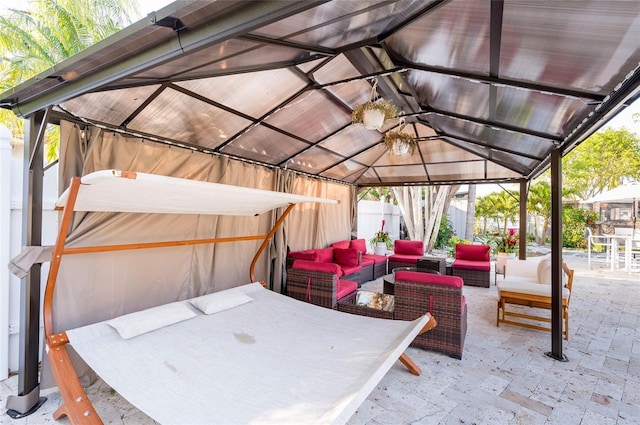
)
(432, 263)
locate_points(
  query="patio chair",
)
(604, 241)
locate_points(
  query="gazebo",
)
(263, 92)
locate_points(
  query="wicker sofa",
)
(405, 253)
(350, 256)
(416, 293)
(472, 263)
(319, 283)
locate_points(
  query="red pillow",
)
(317, 267)
(359, 245)
(346, 257)
(325, 255)
(341, 244)
(405, 247)
(309, 255)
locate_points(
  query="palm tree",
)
(539, 204)
(49, 31)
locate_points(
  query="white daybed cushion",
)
(148, 320)
(529, 288)
(219, 301)
(272, 360)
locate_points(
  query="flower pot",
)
(372, 119)
(400, 148)
(380, 248)
(501, 261)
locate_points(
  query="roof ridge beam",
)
(507, 82)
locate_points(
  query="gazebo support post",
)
(556, 257)
(28, 399)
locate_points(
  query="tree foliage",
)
(601, 162)
(500, 207)
(50, 31)
(539, 206)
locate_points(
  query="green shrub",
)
(574, 222)
(451, 249)
(445, 232)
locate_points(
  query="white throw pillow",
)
(544, 271)
(219, 301)
(148, 320)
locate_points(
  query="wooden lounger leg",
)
(77, 406)
(410, 364)
(406, 360)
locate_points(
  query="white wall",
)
(458, 217)
(11, 238)
(370, 216)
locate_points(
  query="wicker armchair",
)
(318, 283)
(472, 264)
(417, 293)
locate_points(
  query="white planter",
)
(400, 147)
(501, 260)
(380, 248)
(372, 119)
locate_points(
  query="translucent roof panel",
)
(176, 116)
(489, 88)
(569, 45)
(311, 116)
(351, 140)
(455, 36)
(263, 144)
(253, 94)
(113, 107)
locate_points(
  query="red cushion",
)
(341, 244)
(325, 255)
(481, 266)
(314, 266)
(465, 251)
(432, 278)
(359, 245)
(345, 287)
(367, 262)
(409, 259)
(377, 259)
(309, 255)
(347, 270)
(405, 247)
(346, 257)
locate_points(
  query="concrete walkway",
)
(504, 376)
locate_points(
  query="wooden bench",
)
(534, 295)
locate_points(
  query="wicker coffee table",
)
(367, 303)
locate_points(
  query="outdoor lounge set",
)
(316, 277)
(526, 284)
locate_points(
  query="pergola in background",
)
(495, 91)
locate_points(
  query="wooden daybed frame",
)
(76, 405)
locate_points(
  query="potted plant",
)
(374, 113)
(381, 241)
(506, 247)
(399, 143)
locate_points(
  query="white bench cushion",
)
(529, 288)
